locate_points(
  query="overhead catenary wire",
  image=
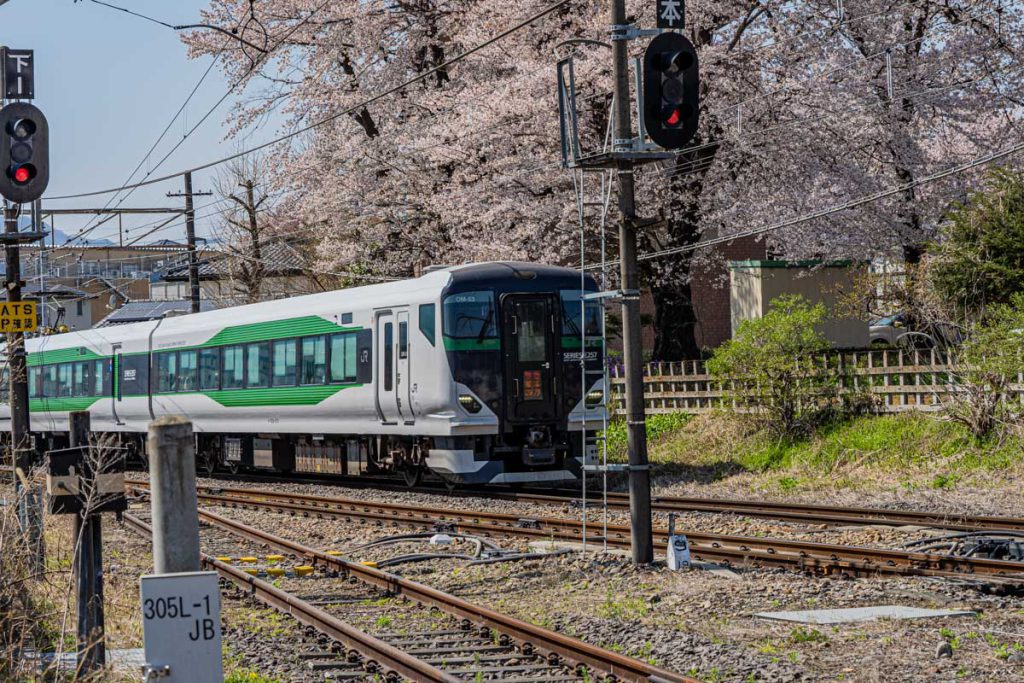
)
(337, 115)
(924, 93)
(853, 203)
(87, 229)
(266, 54)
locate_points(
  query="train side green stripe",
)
(276, 329)
(62, 405)
(79, 353)
(229, 398)
(276, 396)
(458, 344)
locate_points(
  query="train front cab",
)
(514, 350)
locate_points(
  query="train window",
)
(343, 358)
(257, 364)
(35, 382)
(469, 315)
(64, 379)
(209, 369)
(314, 360)
(346, 318)
(284, 363)
(389, 356)
(50, 380)
(166, 370)
(427, 322)
(186, 371)
(571, 314)
(99, 368)
(403, 339)
(80, 379)
(233, 374)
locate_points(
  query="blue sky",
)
(109, 83)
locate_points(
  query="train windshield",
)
(470, 315)
(571, 314)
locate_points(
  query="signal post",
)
(668, 104)
(24, 174)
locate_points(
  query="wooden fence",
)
(899, 380)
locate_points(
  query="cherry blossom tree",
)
(803, 105)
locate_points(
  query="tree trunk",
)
(675, 321)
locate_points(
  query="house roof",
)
(54, 290)
(279, 258)
(141, 311)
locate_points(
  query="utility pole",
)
(190, 232)
(639, 470)
(21, 453)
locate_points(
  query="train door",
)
(115, 382)
(530, 348)
(403, 377)
(387, 368)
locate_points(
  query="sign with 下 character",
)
(181, 627)
(671, 14)
(74, 485)
(19, 316)
(19, 81)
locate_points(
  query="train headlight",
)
(469, 403)
(594, 398)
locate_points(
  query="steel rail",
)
(376, 651)
(798, 512)
(530, 637)
(802, 512)
(797, 554)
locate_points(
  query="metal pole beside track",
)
(632, 349)
(88, 569)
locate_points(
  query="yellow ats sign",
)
(18, 317)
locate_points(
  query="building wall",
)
(756, 283)
(710, 287)
(226, 291)
(77, 314)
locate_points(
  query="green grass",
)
(926, 450)
(658, 426)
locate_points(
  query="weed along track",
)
(362, 622)
(721, 548)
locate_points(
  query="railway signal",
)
(671, 85)
(24, 152)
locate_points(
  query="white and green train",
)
(472, 372)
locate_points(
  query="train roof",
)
(528, 276)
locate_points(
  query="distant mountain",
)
(25, 223)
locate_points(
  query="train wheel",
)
(412, 475)
(207, 463)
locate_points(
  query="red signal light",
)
(673, 118)
(22, 175)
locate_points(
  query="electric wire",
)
(266, 54)
(87, 229)
(337, 115)
(866, 199)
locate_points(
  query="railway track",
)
(794, 512)
(801, 555)
(471, 643)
